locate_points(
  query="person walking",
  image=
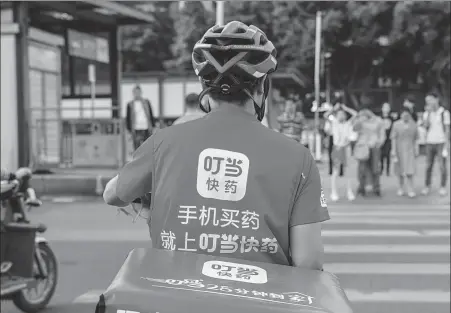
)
(404, 136)
(192, 110)
(338, 99)
(388, 120)
(409, 104)
(140, 120)
(370, 137)
(342, 133)
(436, 121)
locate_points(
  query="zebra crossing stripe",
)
(384, 248)
(383, 221)
(393, 207)
(399, 296)
(389, 268)
(389, 214)
(385, 233)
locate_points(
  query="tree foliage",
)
(422, 30)
(191, 21)
(147, 47)
(405, 41)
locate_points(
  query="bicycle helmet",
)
(233, 58)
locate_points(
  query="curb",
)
(74, 185)
(67, 199)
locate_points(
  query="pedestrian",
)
(409, 103)
(404, 136)
(342, 133)
(388, 120)
(370, 138)
(192, 109)
(140, 120)
(436, 121)
(338, 98)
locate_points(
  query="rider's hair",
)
(192, 100)
(239, 97)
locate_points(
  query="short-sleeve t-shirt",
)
(225, 185)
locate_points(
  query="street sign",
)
(88, 47)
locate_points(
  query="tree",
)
(404, 41)
(147, 47)
(191, 22)
(422, 29)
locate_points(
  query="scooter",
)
(29, 269)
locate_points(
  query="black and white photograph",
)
(225, 156)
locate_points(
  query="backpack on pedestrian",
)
(427, 119)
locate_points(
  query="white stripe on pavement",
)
(389, 268)
(393, 207)
(389, 213)
(393, 249)
(385, 233)
(392, 221)
(400, 296)
(437, 232)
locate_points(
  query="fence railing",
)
(71, 143)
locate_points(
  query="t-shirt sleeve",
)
(135, 178)
(309, 202)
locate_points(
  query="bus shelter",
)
(51, 51)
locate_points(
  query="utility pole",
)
(317, 148)
(220, 13)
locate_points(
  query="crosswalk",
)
(388, 258)
(391, 258)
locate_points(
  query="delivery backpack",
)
(153, 280)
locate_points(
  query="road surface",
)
(389, 258)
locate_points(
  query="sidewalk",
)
(389, 186)
(83, 182)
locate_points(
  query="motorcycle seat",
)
(7, 190)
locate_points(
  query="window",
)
(82, 86)
(75, 76)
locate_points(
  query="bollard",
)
(99, 186)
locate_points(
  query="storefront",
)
(42, 43)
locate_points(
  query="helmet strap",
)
(260, 109)
(201, 95)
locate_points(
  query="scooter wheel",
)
(24, 301)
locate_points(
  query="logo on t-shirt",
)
(323, 199)
(222, 174)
